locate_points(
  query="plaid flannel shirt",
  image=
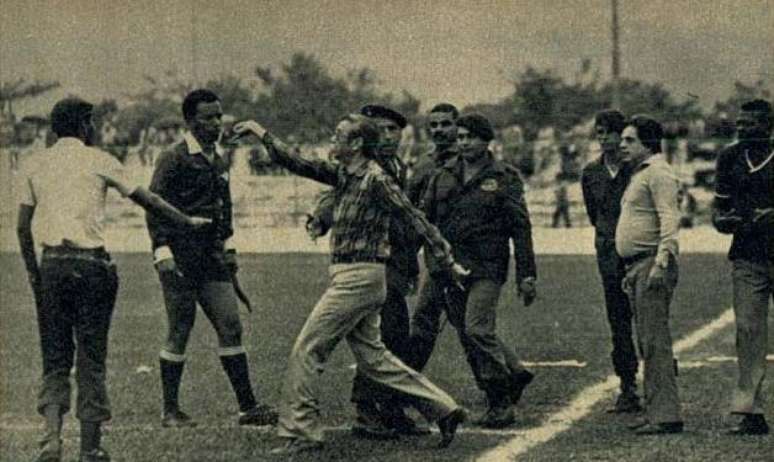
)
(364, 203)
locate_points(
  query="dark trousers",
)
(619, 312)
(74, 312)
(394, 327)
(426, 321)
(473, 313)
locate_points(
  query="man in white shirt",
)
(75, 285)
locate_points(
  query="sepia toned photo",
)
(396, 230)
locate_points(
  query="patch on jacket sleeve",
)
(490, 185)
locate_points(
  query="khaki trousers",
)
(349, 310)
(650, 307)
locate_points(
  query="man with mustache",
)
(478, 204)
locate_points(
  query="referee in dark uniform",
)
(603, 182)
(200, 267)
(76, 283)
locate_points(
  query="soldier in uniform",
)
(478, 204)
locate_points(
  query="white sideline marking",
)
(584, 401)
(559, 363)
(72, 428)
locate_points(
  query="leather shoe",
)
(176, 419)
(663, 428)
(448, 425)
(627, 403)
(50, 450)
(404, 425)
(751, 424)
(520, 382)
(496, 417)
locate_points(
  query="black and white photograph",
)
(386, 230)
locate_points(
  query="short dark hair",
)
(478, 125)
(761, 107)
(365, 128)
(68, 116)
(610, 119)
(446, 107)
(192, 100)
(649, 131)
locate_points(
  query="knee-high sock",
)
(234, 361)
(171, 366)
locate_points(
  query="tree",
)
(19, 90)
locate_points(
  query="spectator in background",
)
(562, 201)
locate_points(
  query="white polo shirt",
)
(67, 184)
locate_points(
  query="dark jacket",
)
(424, 171)
(602, 195)
(196, 187)
(739, 191)
(481, 217)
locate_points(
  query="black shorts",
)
(201, 261)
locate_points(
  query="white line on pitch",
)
(73, 428)
(584, 401)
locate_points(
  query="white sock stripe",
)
(231, 351)
(172, 357)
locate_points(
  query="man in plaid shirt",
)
(366, 199)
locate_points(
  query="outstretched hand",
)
(249, 126)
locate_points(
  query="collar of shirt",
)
(195, 148)
(69, 142)
(658, 157)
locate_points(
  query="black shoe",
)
(403, 424)
(176, 418)
(664, 428)
(751, 424)
(295, 446)
(262, 414)
(50, 450)
(95, 455)
(627, 403)
(520, 382)
(448, 425)
(496, 417)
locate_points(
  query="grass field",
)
(566, 323)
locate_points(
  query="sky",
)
(454, 50)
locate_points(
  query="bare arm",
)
(27, 246)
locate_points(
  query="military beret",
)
(477, 125)
(383, 112)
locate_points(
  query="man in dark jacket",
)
(478, 204)
(744, 207)
(200, 267)
(604, 181)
